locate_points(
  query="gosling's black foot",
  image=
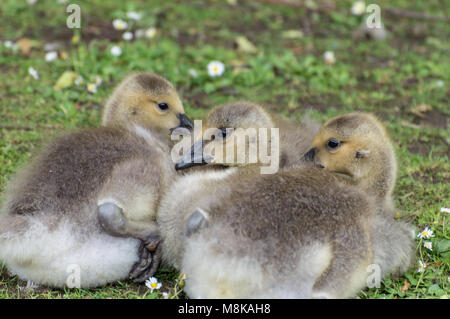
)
(149, 260)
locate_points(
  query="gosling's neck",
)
(380, 182)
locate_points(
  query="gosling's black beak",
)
(310, 155)
(194, 157)
(185, 121)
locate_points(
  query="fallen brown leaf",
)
(65, 80)
(438, 263)
(420, 109)
(24, 45)
(292, 34)
(405, 286)
(245, 45)
(409, 124)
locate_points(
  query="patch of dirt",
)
(4, 68)
(100, 29)
(52, 34)
(93, 28)
(185, 39)
(410, 82)
(433, 119)
(423, 147)
(199, 100)
(320, 103)
(430, 175)
(419, 147)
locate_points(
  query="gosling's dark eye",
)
(163, 106)
(333, 144)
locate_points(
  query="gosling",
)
(300, 233)
(87, 202)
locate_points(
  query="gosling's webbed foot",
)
(114, 222)
(150, 258)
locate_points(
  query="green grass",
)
(390, 78)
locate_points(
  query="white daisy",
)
(52, 46)
(79, 80)
(32, 71)
(216, 68)
(165, 295)
(445, 210)
(134, 15)
(50, 56)
(193, 73)
(92, 88)
(329, 57)
(358, 8)
(422, 266)
(116, 50)
(440, 83)
(139, 33)
(120, 24)
(150, 32)
(426, 233)
(98, 80)
(428, 245)
(127, 36)
(152, 284)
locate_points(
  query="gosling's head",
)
(356, 147)
(231, 136)
(146, 100)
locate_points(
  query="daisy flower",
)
(152, 284)
(216, 68)
(139, 33)
(193, 73)
(440, 84)
(422, 266)
(428, 245)
(75, 39)
(426, 233)
(50, 56)
(63, 55)
(119, 24)
(150, 33)
(445, 210)
(134, 15)
(358, 8)
(79, 80)
(165, 295)
(116, 50)
(127, 36)
(32, 71)
(98, 80)
(92, 88)
(329, 57)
